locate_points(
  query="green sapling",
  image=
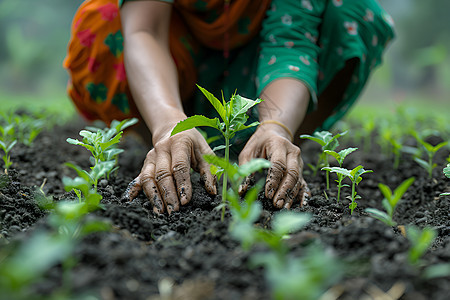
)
(328, 142)
(420, 240)
(7, 142)
(340, 156)
(431, 151)
(390, 201)
(355, 177)
(233, 115)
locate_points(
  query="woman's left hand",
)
(284, 183)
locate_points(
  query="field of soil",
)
(144, 253)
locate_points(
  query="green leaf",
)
(439, 146)
(82, 173)
(240, 127)
(288, 221)
(196, 121)
(401, 190)
(239, 107)
(256, 164)
(215, 102)
(113, 141)
(220, 147)
(77, 142)
(352, 206)
(76, 183)
(422, 163)
(446, 171)
(9, 147)
(110, 154)
(338, 170)
(386, 191)
(102, 168)
(222, 163)
(343, 153)
(380, 215)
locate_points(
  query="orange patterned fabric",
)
(95, 62)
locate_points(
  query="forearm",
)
(153, 81)
(151, 71)
(285, 101)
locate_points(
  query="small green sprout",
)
(446, 172)
(340, 156)
(102, 143)
(233, 115)
(420, 240)
(431, 151)
(328, 142)
(355, 177)
(7, 142)
(390, 201)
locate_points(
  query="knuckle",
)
(162, 174)
(278, 167)
(180, 168)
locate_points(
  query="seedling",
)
(7, 142)
(446, 171)
(328, 142)
(103, 147)
(102, 143)
(340, 156)
(233, 115)
(355, 177)
(431, 151)
(420, 240)
(390, 201)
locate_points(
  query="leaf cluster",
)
(233, 115)
(390, 201)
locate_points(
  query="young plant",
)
(328, 142)
(7, 142)
(420, 240)
(431, 151)
(102, 143)
(446, 171)
(355, 177)
(390, 201)
(233, 115)
(340, 156)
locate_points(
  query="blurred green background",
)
(34, 36)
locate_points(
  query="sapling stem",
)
(225, 175)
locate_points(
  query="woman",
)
(308, 60)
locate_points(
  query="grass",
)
(58, 102)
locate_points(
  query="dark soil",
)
(193, 248)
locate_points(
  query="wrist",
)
(162, 126)
(278, 127)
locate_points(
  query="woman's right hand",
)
(165, 176)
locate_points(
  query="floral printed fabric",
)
(308, 40)
(311, 40)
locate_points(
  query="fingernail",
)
(169, 209)
(287, 205)
(280, 203)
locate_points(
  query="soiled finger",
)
(133, 189)
(276, 172)
(150, 188)
(181, 163)
(208, 179)
(164, 181)
(290, 179)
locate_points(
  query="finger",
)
(304, 193)
(208, 179)
(248, 181)
(164, 181)
(181, 165)
(292, 196)
(133, 189)
(149, 186)
(276, 171)
(292, 174)
(245, 157)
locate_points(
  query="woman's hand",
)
(284, 183)
(165, 176)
